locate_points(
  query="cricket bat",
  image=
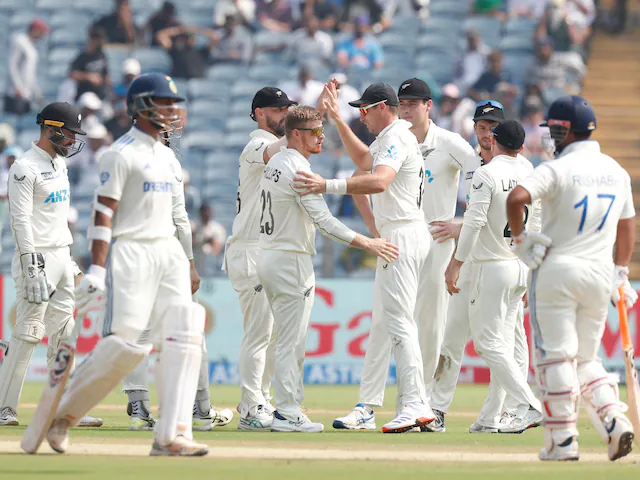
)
(633, 389)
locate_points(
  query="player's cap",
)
(154, 85)
(572, 112)
(61, 115)
(378, 92)
(489, 110)
(509, 134)
(414, 89)
(270, 97)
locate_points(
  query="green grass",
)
(339, 398)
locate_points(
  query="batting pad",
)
(110, 361)
(178, 370)
(14, 369)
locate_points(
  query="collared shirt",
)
(584, 194)
(39, 199)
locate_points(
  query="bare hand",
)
(451, 276)
(383, 248)
(310, 182)
(443, 231)
(195, 278)
(330, 101)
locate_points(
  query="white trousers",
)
(393, 325)
(288, 280)
(256, 362)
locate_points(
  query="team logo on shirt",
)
(392, 153)
(427, 152)
(59, 196)
(104, 177)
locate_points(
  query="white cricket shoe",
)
(477, 427)
(411, 415)
(531, 419)
(256, 419)
(506, 418)
(563, 452)
(89, 421)
(437, 426)
(270, 409)
(8, 417)
(620, 433)
(203, 422)
(360, 418)
(301, 424)
(58, 435)
(180, 447)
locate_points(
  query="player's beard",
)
(276, 127)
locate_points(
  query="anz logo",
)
(59, 196)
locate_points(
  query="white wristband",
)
(97, 271)
(103, 233)
(337, 186)
(103, 209)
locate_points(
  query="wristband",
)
(103, 209)
(338, 186)
(103, 233)
(97, 271)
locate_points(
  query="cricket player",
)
(256, 364)
(136, 254)
(288, 221)
(575, 273)
(498, 278)
(397, 183)
(42, 267)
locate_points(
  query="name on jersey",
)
(509, 185)
(59, 196)
(271, 173)
(589, 181)
(47, 175)
(158, 187)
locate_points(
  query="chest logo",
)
(427, 152)
(59, 196)
(430, 177)
(47, 175)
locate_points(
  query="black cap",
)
(270, 97)
(375, 93)
(489, 110)
(63, 115)
(509, 134)
(414, 89)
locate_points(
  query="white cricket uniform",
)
(287, 242)
(588, 193)
(498, 281)
(256, 362)
(398, 216)
(444, 154)
(38, 209)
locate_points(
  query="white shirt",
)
(471, 164)
(485, 234)
(307, 94)
(303, 48)
(288, 220)
(586, 193)
(444, 155)
(246, 225)
(179, 211)
(140, 172)
(23, 64)
(39, 199)
(397, 147)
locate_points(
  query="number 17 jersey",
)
(584, 193)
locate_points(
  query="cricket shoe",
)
(8, 417)
(301, 424)
(620, 433)
(89, 421)
(411, 415)
(506, 419)
(203, 422)
(563, 452)
(360, 418)
(256, 419)
(180, 447)
(270, 409)
(477, 427)
(58, 435)
(437, 426)
(531, 419)
(141, 419)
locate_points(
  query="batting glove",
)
(531, 248)
(621, 279)
(90, 288)
(36, 289)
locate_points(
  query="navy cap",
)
(509, 134)
(572, 112)
(154, 85)
(378, 92)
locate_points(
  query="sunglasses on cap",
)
(363, 110)
(491, 103)
(316, 131)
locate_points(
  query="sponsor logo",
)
(59, 196)
(157, 187)
(46, 175)
(478, 187)
(18, 179)
(258, 288)
(392, 153)
(468, 176)
(385, 266)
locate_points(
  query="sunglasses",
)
(491, 103)
(363, 110)
(316, 132)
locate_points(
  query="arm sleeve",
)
(476, 215)
(628, 211)
(459, 151)
(181, 219)
(318, 211)
(391, 153)
(541, 183)
(21, 187)
(113, 175)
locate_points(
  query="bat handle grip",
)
(624, 321)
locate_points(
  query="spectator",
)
(306, 90)
(326, 11)
(473, 62)
(234, 44)
(83, 167)
(90, 107)
(309, 44)
(130, 69)
(371, 9)
(7, 136)
(164, 18)
(120, 123)
(243, 10)
(557, 25)
(347, 94)
(534, 148)
(188, 60)
(363, 51)
(507, 95)
(209, 238)
(494, 74)
(555, 70)
(67, 90)
(275, 15)
(23, 65)
(449, 101)
(489, 7)
(533, 9)
(89, 69)
(118, 25)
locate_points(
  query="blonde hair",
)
(298, 117)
